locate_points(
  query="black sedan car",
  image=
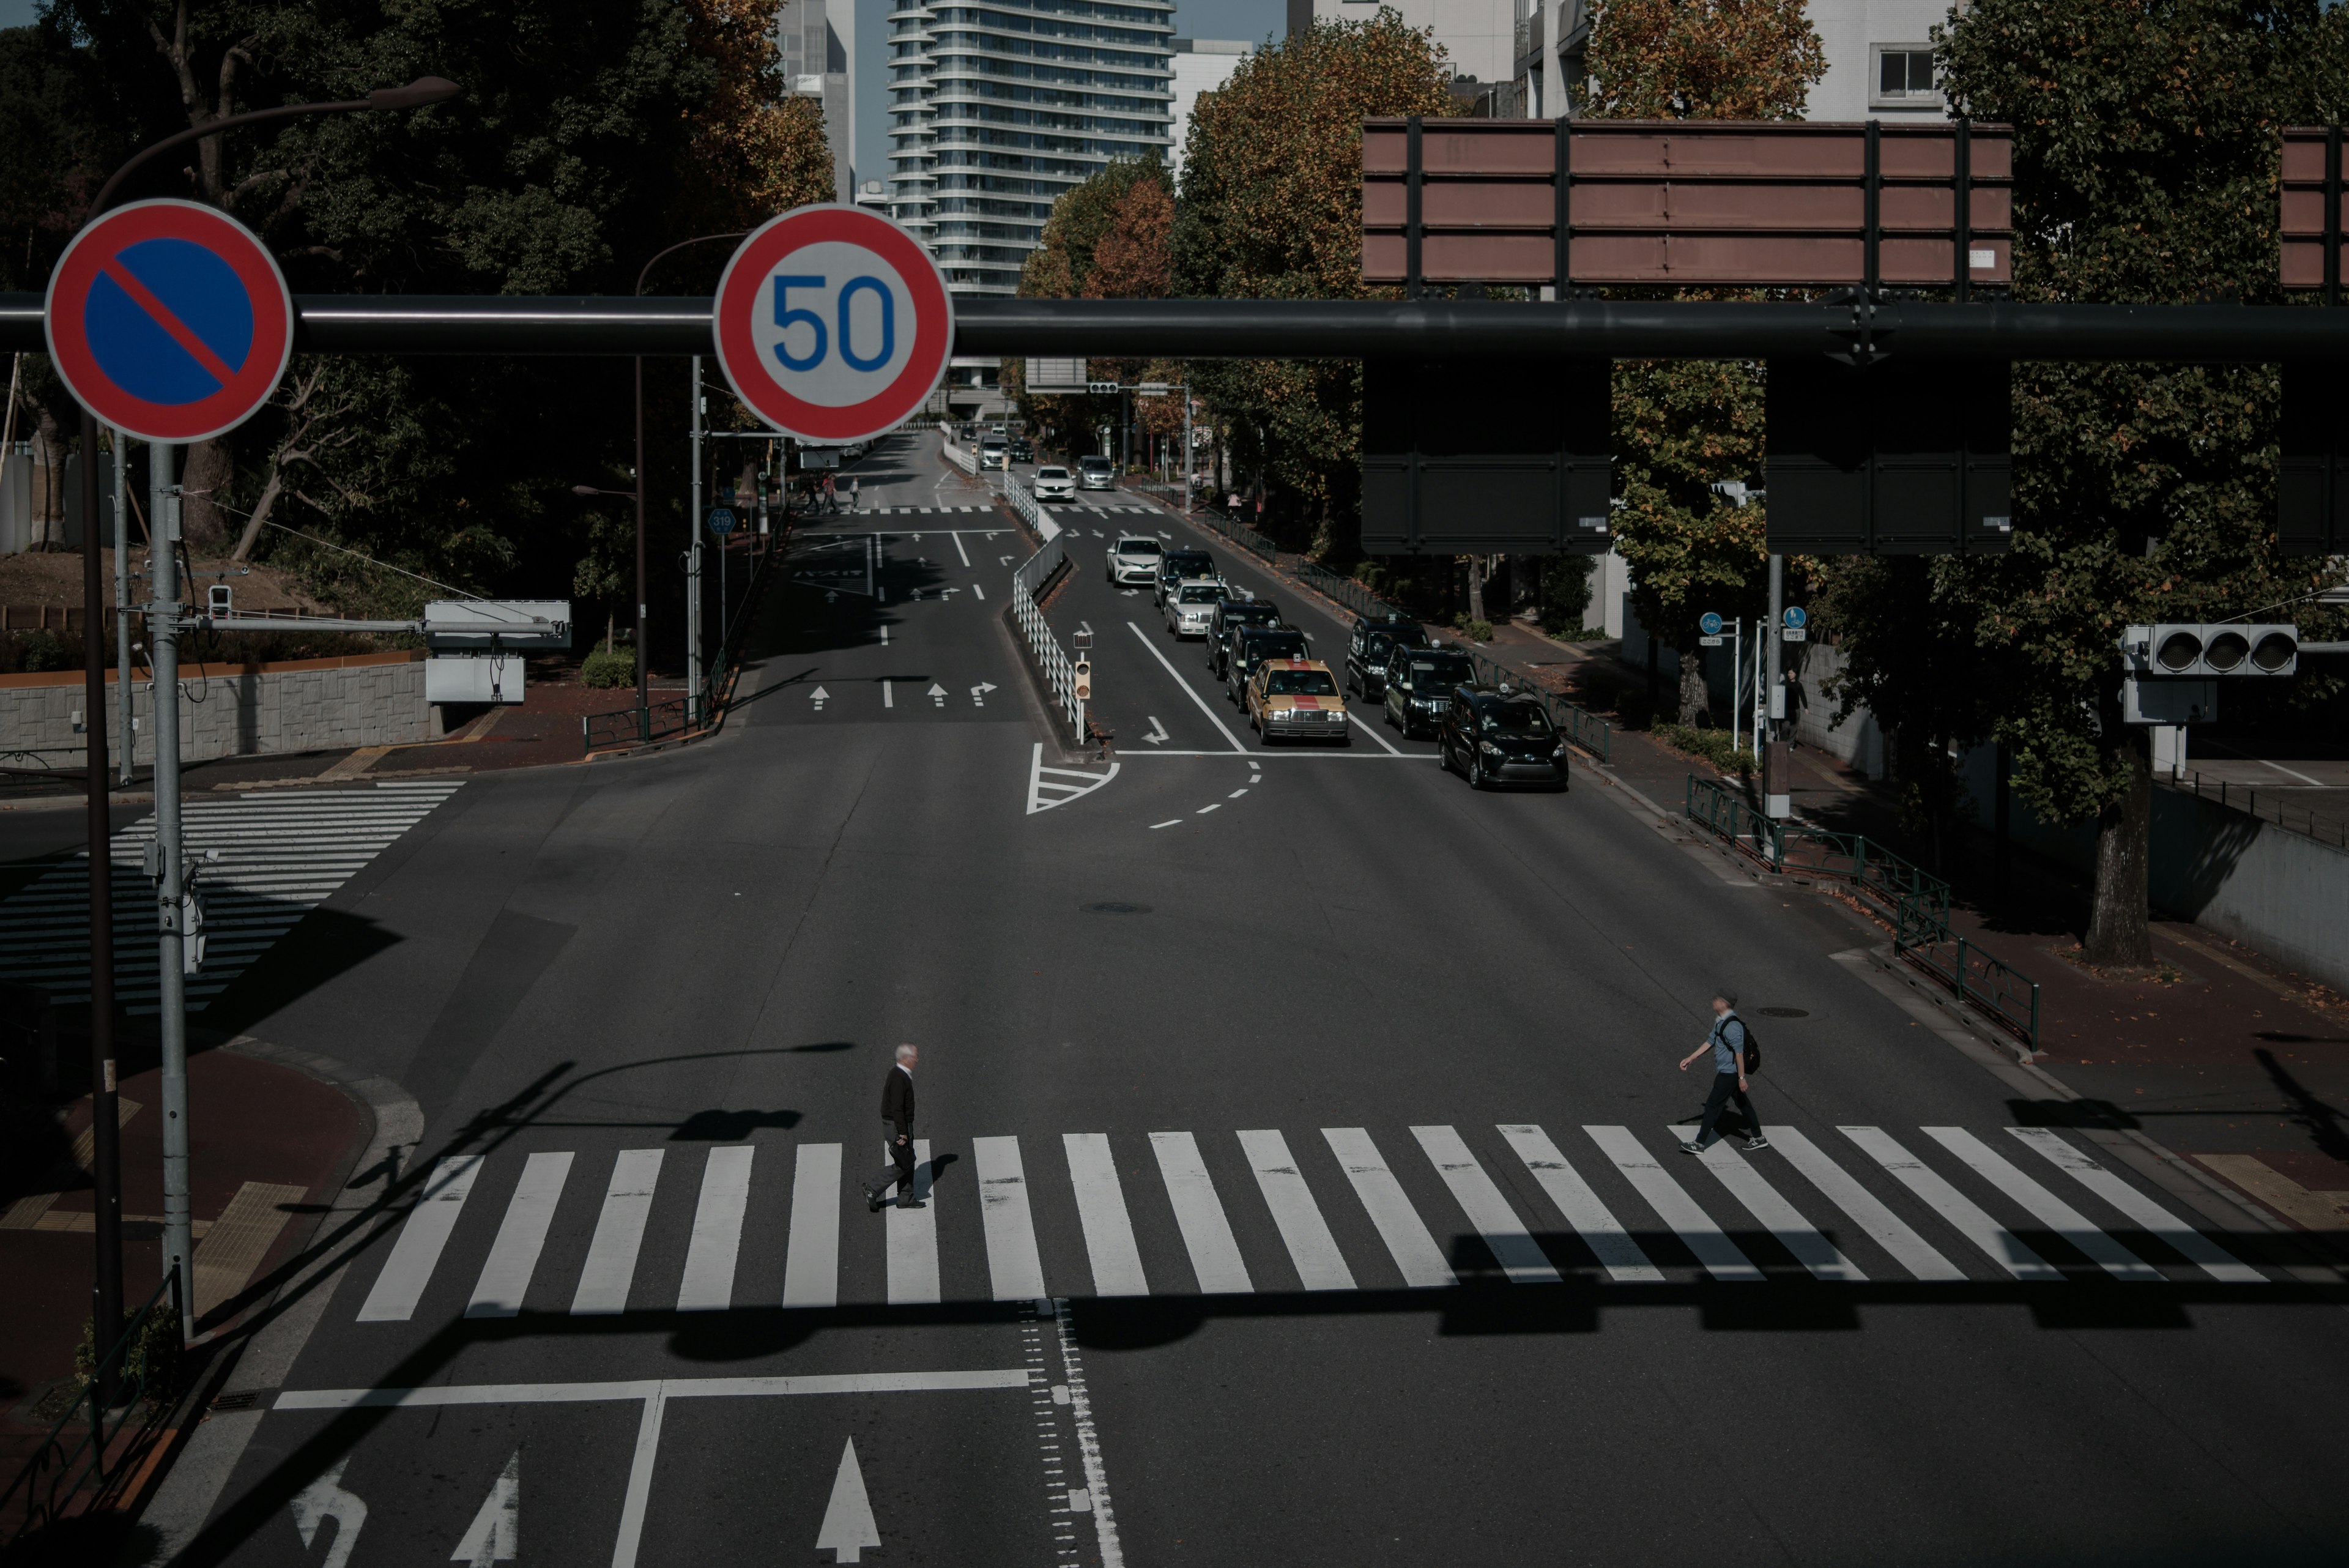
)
(1372, 644)
(1500, 741)
(1180, 566)
(1249, 646)
(1233, 613)
(1420, 682)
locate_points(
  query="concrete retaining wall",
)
(301, 705)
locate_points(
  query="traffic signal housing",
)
(2178, 650)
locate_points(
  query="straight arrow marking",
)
(496, 1533)
(936, 694)
(848, 1525)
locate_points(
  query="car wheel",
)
(1477, 779)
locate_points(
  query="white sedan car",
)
(1191, 605)
(1133, 560)
(1055, 483)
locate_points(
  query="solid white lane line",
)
(1514, 1247)
(1320, 1266)
(421, 1236)
(1370, 730)
(1100, 1209)
(888, 698)
(1207, 1233)
(1673, 1205)
(2004, 1247)
(619, 1234)
(914, 1237)
(2046, 1208)
(709, 1282)
(1780, 1218)
(1399, 1225)
(979, 591)
(1213, 717)
(959, 549)
(811, 1253)
(2208, 1255)
(803, 1385)
(1004, 1221)
(522, 1235)
(1892, 1233)
(1612, 1245)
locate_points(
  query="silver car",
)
(1191, 605)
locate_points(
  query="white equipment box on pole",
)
(478, 645)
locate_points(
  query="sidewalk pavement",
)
(269, 1147)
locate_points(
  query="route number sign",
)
(832, 324)
(168, 320)
(721, 522)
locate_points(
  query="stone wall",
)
(301, 705)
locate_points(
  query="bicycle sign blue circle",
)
(1796, 617)
(1709, 623)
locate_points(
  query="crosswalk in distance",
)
(1261, 1209)
(282, 854)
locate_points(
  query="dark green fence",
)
(65, 1476)
(1915, 902)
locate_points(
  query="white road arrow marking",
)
(1002, 560)
(1086, 626)
(848, 1525)
(978, 693)
(937, 695)
(325, 1499)
(831, 597)
(496, 1533)
(1131, 592)
(1158, 735)
(819, 697)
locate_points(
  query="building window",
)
(1904, 76)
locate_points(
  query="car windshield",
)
(1200, 593)
(1283, 645)
(1251, 614)
(1186, 563)
(1375, 644)
(1517, 719)
(1300, 683)
(1092, 463)
(1138, 547)
(1425, 674)
(1051, 473)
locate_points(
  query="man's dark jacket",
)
(898, 1101)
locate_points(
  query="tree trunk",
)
(48, 497)
(1696, 701)
(202, 522)
(2118, 932)
(1476, 588)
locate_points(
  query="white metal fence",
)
(965, 460)
(1059, 674)
(1023, 500)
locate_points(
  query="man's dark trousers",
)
(1725, 1091)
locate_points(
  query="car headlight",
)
(1489, 749)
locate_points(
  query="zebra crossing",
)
(933, 510)
(264, 860)
(1612, 1202)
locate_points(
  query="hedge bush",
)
(608, 666)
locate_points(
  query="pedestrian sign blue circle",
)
(721, 521)
(1797, 617)
(1709, 624)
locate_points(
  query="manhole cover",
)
(1115, 909)
(1782, 1011)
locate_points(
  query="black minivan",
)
(1368, 650)
(1497, 741)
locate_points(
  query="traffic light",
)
(1084, 678)
(2228, 648)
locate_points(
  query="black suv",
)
(1500, 740)
(1249, 646)
(1180, 565)
(1370, 646)
(1022, 449)
(1419, 684)
(1233, 613)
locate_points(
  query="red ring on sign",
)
(239, 250)
(745, 279)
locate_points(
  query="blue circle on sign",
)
(1709, 624)
(1798, 617)
(721, 522)
(199, 293)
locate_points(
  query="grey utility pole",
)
(693, 566)
(168, 868)
(128, 746)
(1777, 797)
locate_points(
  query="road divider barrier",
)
(1060, 674)
(960, 457)
(1023, 502)
(1914, 902)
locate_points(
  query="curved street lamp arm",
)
(681, 245)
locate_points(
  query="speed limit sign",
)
(832, 324)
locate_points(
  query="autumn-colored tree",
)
(1271, 208)
(1105, 239)
(1682, 428)
(755, 152)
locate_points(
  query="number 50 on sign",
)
(832, 324)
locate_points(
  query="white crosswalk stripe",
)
(1413, 1214)
(282, 854)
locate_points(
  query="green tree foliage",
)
(592, 134)
(1106, 239)
(2146, 167)
(1271, 208)
(1682, 428)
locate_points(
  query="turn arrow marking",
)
(1158, 735)
(325, 1499)
(978, 693)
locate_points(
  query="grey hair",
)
(903, 1052)
(1727, 995)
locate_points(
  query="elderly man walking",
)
(1728, 1044)
(897, 1115)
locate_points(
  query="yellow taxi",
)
(1296, 699)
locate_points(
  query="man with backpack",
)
(1735, 1055)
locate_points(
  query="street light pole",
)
(105, 1148)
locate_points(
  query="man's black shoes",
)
(873, 1198)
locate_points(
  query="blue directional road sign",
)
(721, 522)
(1709, 624)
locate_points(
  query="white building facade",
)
(994, 112)
(1201, 65)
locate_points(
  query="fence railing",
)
(1240, 534)
(1023, 502)
(2245, 797)
(1059, 674)
(965, 461)
(1915, 902)
(64, 1478)
(672, 716)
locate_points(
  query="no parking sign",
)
(168, 320)
(832, 324)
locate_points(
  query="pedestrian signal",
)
(1084, 672)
